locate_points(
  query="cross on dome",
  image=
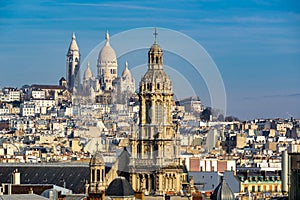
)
(155, 35)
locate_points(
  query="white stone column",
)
(151, 150)
(100, 171)
(142, 150)
(149, 183)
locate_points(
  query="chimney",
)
(16, 177)
(51, 194)
(285, 172)
(30, 191)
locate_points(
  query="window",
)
(159, 112)
(102, 175)
(93, 175)
(253, 188)
(148, 112)
(98, 175)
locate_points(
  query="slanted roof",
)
(73, 176)
(49, 87)
(123, 163)
(22, 197)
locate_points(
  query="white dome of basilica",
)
(107, 54)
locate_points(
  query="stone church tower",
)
(73, 64)
(97, 174)
(155, 165)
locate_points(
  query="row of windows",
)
(98, 171)
(159, 110)
(148, 86)
(112, 71)
(261, 189)
(71, 59)
(155, 59)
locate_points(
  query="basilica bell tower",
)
(73, 64)
(155, 165)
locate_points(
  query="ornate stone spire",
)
(88, 72)
(126, 71)
(73, 45)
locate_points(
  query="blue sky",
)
(254, 43)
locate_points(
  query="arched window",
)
(102, 175)
(93, 175)
(159, 112)
(148, 112)
(98, 175)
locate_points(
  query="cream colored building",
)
(154, 164)
(97, 183)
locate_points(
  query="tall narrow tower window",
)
(159, 112)
(98, 175)
(148, 112)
